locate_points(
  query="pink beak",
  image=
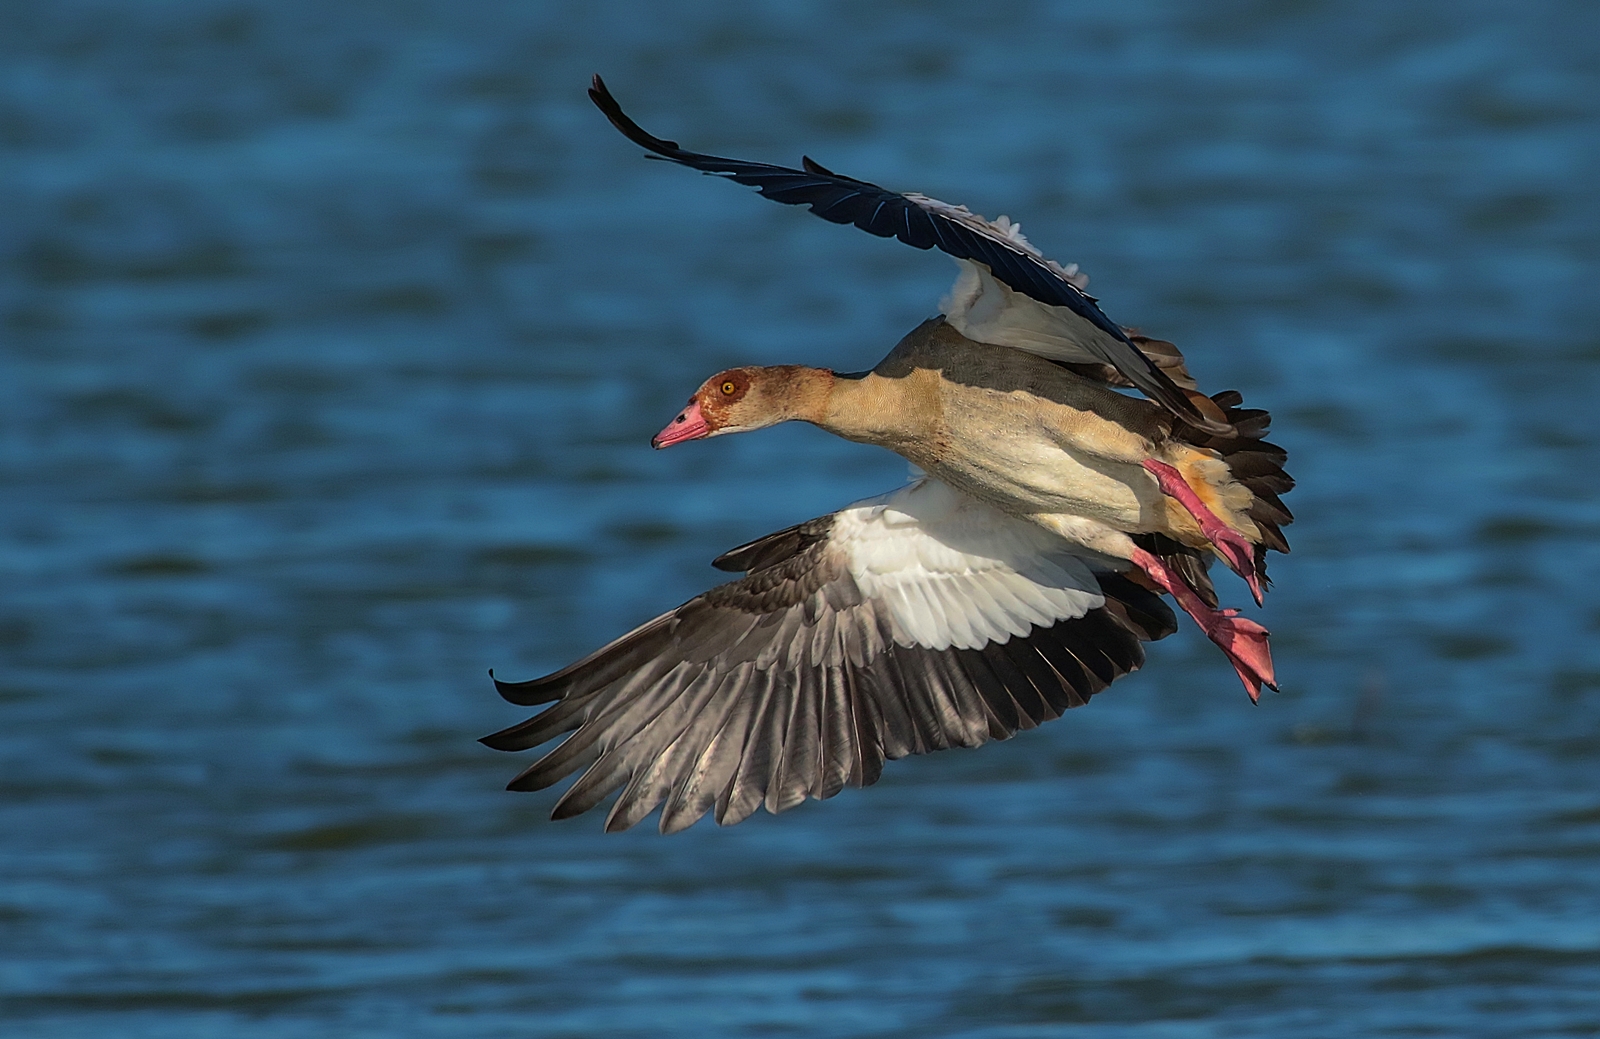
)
(689, 425)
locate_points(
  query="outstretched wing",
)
(924, 223)
(906, 624)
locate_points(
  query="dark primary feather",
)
(888, 214)
(736, 699)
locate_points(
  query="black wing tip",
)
(603, 100)
(503, 688)
(531, 693)
(502, 740)
(494, 741)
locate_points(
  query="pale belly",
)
(1027, 475)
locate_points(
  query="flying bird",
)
(1017, 575)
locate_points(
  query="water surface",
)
(331, 339)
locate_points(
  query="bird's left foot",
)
(1241, 639)
(1232, 547)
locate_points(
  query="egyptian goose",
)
(1015, 578)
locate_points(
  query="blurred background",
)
(331, 340)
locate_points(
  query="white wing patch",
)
(987, 310)
(953, 571)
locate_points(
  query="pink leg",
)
(1232, 546)
(1243, 640)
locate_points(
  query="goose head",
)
(741, 399)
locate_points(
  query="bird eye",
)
(728, 388)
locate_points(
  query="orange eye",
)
(728, 388)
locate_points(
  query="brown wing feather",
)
(788, 684)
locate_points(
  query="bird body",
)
(1005, 426)
(1016, 577)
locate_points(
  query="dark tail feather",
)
(1254, 462)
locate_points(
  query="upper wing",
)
(985, 309)
(925, 222)
(905, 624)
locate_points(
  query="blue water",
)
(331, 339)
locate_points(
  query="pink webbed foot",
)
(1232, 547)
(1242, 640)
(1245, 644)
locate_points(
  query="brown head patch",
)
(721, 392)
